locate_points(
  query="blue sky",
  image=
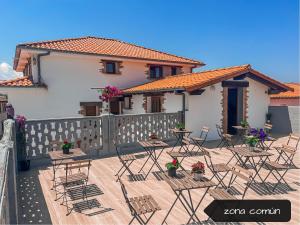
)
(220, 33)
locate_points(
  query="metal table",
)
(58, 158)
(185, 183)
(244, 155)
(150, 147)
(241, 131)
(179, 136)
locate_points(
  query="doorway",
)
(114, 106)
(232, 110)
(235, 108)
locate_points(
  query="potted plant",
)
(23, 162)
(244, 123)
(180, 126)
(66, 147)
(268, 117)
(172, 167)
(198, 169)
(255, 136)
(108, 93)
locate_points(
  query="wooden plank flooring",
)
(37, 205)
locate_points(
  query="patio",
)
(37, 206)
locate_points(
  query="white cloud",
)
(7, 72)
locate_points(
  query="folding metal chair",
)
(223, 194)
(226, 139)
(56, 146)
(199, 141)
(268, 128)
(140, 205)
(216, 169)
(74, 179)
(126, 160)
(237, 172)
(287, 151)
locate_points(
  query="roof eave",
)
(196, 63)
(153, 91)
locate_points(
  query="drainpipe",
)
(39, 64)
(183, 108)
(181, 92)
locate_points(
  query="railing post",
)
(108, 131)
(12, 180)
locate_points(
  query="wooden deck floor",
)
(37, 205)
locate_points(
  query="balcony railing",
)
(8, 191)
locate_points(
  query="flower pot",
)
(198, 176)
(172, 172)
(66, 150)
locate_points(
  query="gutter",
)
(39, 64)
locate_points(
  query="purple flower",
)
(21, 121)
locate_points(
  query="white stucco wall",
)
(172, 103)
(69, 78)
(31, 102)
(205, 110)
(258, 102)
(137, 105)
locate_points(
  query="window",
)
(156, 72)
(110, 67)
(173, 70)
(127, 103)
(155, 104)
(90, 108)
(90, 111)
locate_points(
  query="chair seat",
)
(221, 194)
(221, 167)
(72, 178)
(64, 161)
(144, 204)
(276, 165)
(128, 157)
(198, 139)
(269, 138)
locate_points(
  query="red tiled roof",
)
(193, 81)
(109, 47)
(17, 82)
(295, 93)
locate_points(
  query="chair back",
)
(78, 164)
(55, 145)
(242, 174)
(219, 130)
(208, 161)
(268, 127)
(186, 140)
(293, 141)
(204, 132)
(125, 194)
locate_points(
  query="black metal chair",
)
(126, 161)
(199, 141)
(74, 180)
(140, 205)
(216, 169)
(226, 139)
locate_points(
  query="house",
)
(61, 77)
(289, 98)
(3, 115)
(222, 96)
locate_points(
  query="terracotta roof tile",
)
(192, 81)
(109, 47)
(289, 94)
(18, 82)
